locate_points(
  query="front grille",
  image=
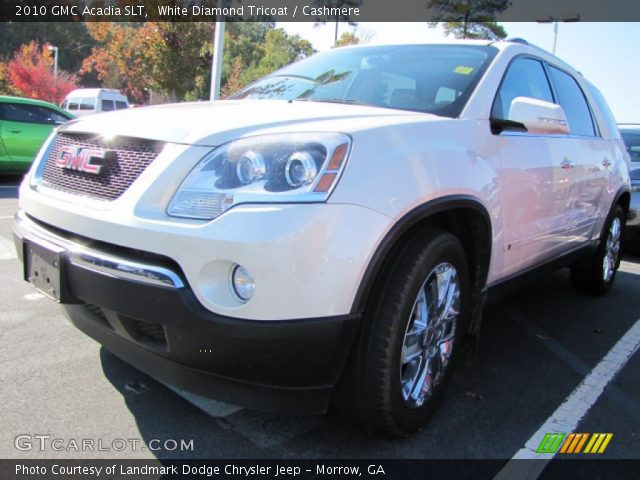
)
(119, 170)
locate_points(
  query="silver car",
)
(631, 136)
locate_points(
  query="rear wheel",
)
(596, 275)
(406, 352)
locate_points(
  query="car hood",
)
(212, 123)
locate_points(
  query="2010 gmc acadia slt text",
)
(333, 230)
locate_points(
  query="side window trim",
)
(504, 76)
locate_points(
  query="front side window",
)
(120, 105)
(524, 78)
(571, 99)
(434, 79)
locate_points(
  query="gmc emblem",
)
(82, 159)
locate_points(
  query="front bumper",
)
(142, 309)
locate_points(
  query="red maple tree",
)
(30, 74)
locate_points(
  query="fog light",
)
(242, 283)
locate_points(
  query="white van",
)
(85, 101)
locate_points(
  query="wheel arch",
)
(623, 198)
(463, 216)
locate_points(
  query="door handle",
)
(566, 164)
(13, 130)
(606, 163)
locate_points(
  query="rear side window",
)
(525, 78)
(120, 105)
(607, 117)
(15, 112)
(87, 103)
(571, 99)
(107, 105)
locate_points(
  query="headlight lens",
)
(296, 167)
(635, 186)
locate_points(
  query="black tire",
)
(595, 276)
(374, 388)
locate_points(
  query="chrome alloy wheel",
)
(611, 249)
(430, 335)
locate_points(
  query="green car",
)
(24, 126)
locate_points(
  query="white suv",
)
(333, 230)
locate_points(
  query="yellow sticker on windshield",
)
(463, 70)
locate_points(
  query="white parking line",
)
(568, 415)
(7, 249)
(6, 217)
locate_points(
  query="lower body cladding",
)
(145, 313)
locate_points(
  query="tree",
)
(72, 39)
(30, 74)
(347, 38)
(470, 18)
(254, 49)
(171, 58)
(120, 57)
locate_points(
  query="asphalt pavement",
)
(537, 347)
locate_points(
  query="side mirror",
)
(538, 116)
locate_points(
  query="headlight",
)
(635, 186)
(295, 167)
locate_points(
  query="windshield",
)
(426, 78)
(632, 142)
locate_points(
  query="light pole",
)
(216, 66)
(218, 51)
(55, 59)
(555, 22)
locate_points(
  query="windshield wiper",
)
(347, 101)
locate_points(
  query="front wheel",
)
(596, 275)
(413, 327)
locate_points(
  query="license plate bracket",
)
(43, 268)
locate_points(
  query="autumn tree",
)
(72, 38)
(30, 74)
(120, 57)
(174, 59)
(470, 18)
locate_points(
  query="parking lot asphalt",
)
(536, 348)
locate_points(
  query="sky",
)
(605, 53)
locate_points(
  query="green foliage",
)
(347, 38)
(470, 18)
(259, 51)
(475, 30)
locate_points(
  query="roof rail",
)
(517, 40)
